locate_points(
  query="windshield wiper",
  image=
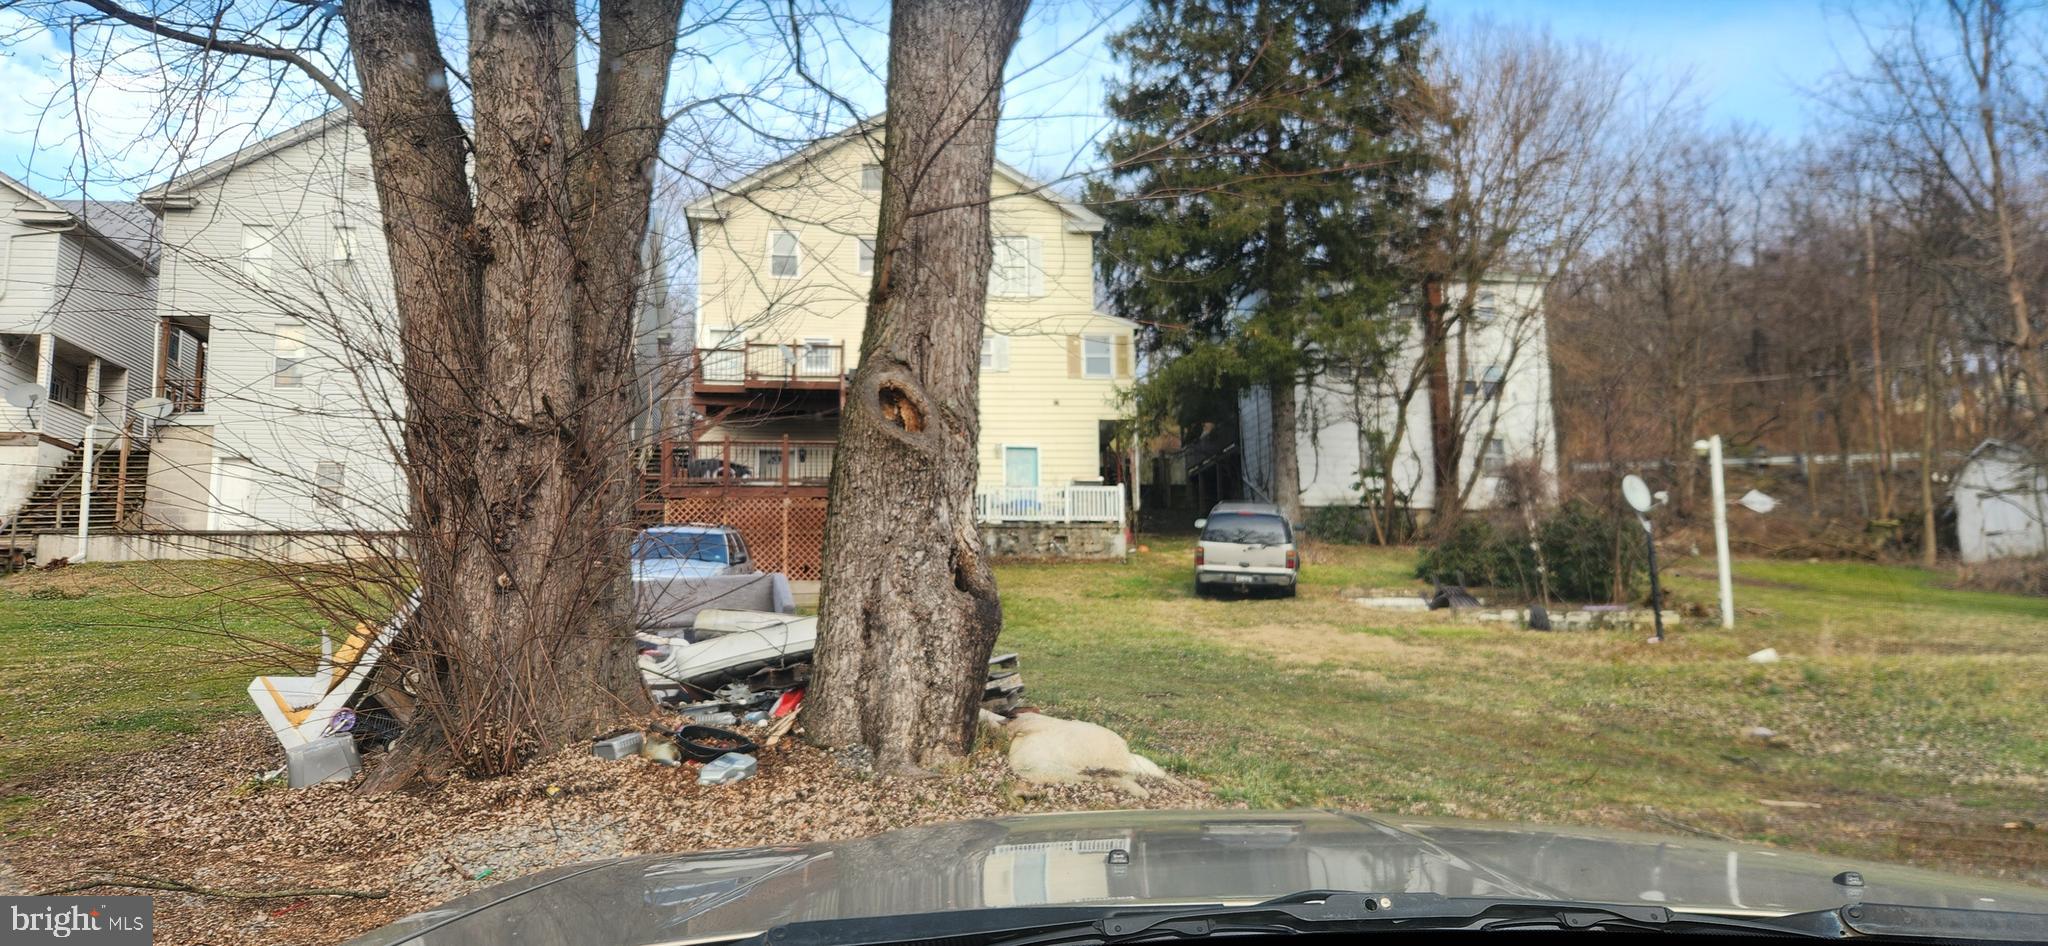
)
(1310, 912)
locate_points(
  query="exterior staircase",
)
(116, 498)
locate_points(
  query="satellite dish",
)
(27, 395)
(154, 408)
(1758, 502)
(1636, 492)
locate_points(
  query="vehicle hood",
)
(664, 568)
(1193, 856)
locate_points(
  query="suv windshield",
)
(692, 546)
(1248, 530)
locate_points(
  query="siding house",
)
(1500, 393)
(785, 258)
(76, 329)
(277, 336)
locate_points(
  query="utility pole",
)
(1712, 447)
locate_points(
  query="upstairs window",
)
(288, 355)
(995, 352)
(871, 178)
(1484, 381)
(259, 247)
(784, 254)
(865, 261)
(67, 383)
(1486, 308)
(1098, 357)
(344, 243)
(1010, 273)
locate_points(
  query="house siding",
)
(818, 197)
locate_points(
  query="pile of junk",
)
(737, 674)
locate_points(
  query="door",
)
(727, 356)
(1020, 466)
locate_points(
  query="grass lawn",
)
(1910, 714)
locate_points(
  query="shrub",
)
(1591, 555)
(1353, 525)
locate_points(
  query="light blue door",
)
(1020, 466)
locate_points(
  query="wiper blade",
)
(1323, 911)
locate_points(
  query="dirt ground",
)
(192, 813)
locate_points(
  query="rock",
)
(1768, 655)
(1047, 751)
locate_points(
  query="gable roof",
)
(177, 187)
(129, 224)
(85, 218)
(1079, 219)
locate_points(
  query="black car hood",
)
(1193, 856)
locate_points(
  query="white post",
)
(85, 488)
(1721, 531)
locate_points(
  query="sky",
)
(1748, 61)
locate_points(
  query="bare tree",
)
(909, 609)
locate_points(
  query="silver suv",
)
(1246, 546)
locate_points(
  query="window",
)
(819, 356)
(172, 345)
(329, 479)
(1098, 358)
(694, 545)
(344, 243)
(289, 355)
(1247, 529)
(865, 264)
(1484, 381)
(1494, 458)
(783, 252)
(67, 384)
(259, 245)
(995, 352)
(1486, 308)
(1010, 274)
(871, 178)
(1020, 466)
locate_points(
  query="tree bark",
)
(1443, 424)
(1287, 450)
(516, 302)
(909, 611)
(1879, 398)
(1930, 396)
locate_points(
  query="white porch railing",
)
(1050, 504)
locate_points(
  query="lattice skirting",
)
(785, 532)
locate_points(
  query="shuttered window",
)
(1097, 357)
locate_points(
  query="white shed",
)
(2001, 498)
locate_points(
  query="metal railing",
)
(757, 362)
(1050, 504)
(779, 462)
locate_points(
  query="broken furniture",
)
(669, 607)
(311, 715)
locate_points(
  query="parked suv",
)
(696, 550)
(1246, 546)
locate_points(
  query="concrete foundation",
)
(180, 480)
(306, 547)
(1075, 541)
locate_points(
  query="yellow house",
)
(785, 258)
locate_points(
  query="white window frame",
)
(1009, 270)
(288, 355)
(1108, 343)
(1485, 308)
(346, 247)
(816, 358)
(259, 252)
(1492, 462)
(992, 345)
(329, 489)
(864, 255)
(870, 178)
(1485, 381)
(796, 254)
(1037, 464)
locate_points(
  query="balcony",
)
(747, 463)
(187, 395)
(805, 365)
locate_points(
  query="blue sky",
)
(1748, 60)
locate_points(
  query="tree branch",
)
(213, 42)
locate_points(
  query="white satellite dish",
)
(1758, 502)
(1636, 492)
(27, 395)
(154, 408)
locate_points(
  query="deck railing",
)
(1050, 504)
(770, 362)
(778, 462)
(187, 395)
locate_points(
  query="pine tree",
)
(1264, 184)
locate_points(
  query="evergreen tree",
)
(1264, 185)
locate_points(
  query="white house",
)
(279, 341)
(1501, 395)
(2001, 496)
(76, 331)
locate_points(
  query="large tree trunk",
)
(1443, 421)
(909, 611)
(516, 305)
(1287, 450)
